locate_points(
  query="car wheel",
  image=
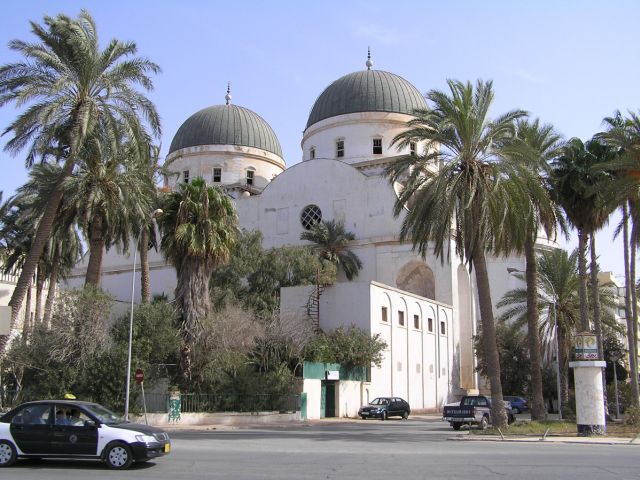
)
(405, 415)
(484, 423)
(516, 410)
(8, 453)
(511, 419)
(363, 417)
(118, 456)
(383, 416)
(456, 425)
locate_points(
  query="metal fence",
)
(211, 402)
(193, 402)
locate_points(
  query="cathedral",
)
(425, 309)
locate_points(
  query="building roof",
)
(366, 91)
(226, 125)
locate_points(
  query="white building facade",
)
(346, 144)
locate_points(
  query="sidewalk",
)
(547, 439)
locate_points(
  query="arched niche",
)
(417, 278)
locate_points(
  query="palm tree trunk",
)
(538, 412)
(27, 315)
(96, 250)
(563, 358)
(489, 344)
(37, 247)
(629, 284)
(51, 294)
(145, 282)
(634, 300)
(40, 279)
(582, 289)
(192, 293)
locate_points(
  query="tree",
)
(199, 231)
(113, 194)
(624, 134)
(578, 186)
(331, 242)
(536, 145)
(559, 304)
(71, 87)
(456, 188)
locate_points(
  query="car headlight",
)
(145, 438)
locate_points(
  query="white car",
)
(74, 429)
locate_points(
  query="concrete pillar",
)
(590, 417)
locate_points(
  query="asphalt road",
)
(396, 449)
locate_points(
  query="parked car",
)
(385, 407)
(473, 410)
(518, 404)
(75, 429)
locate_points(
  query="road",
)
(415, 449)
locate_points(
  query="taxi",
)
(76, 429)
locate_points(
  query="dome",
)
(366, 91)
(226, 125)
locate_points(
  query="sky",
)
(570, 63)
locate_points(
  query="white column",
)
(590, 417)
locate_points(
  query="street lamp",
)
(155, 214)
(555, 321)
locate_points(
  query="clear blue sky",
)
(570, 63)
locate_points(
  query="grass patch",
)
(556, 427)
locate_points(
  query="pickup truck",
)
(472, 410)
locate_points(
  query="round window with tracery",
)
(310, 215)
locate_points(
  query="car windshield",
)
(380, 401)
(104, 415)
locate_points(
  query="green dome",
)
(366, 91)
(226, 125)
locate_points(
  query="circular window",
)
(310, 215)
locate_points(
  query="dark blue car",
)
(518, 404)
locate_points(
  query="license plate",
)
(167, 447)
(364, 414)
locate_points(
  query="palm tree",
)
(559, 301)
(456, 188)
(578, 186)
(331, 243)
(199, 231)
(624, 134)
(112, 190)
(70, 87)
(536, 145)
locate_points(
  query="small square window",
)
(185, 176)
(430, 324)
(401, 318)
(250, 177)
(443, 328)
(416, 322)
(384, 314)
(413, 148)
(377, 146)
(340, 148)
(217, 175)
(312, 153)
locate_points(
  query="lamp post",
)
(154, 215)
(555, 321)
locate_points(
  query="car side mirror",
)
(90, 423)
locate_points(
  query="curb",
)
(575, 440)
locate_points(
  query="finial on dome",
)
(227, 97)
(369, 63)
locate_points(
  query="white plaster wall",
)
(313, 389)
(358, 131)
(349, 398)
(234, 160)
(589, 394)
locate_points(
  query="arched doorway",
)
(417, 278)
